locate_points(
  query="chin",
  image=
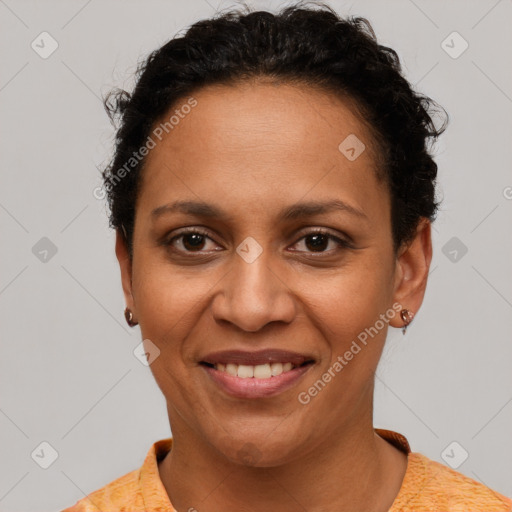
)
(258, 451)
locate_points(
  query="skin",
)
(252, 150)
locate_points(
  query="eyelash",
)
(341, 243)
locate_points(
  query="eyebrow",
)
(298, 210)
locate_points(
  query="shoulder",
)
(140, 489)
(429, 485)
(120, 495)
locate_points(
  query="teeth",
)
(232, 369)
(276, 369)
(260, 371)
(245, 371)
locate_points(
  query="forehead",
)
(245, 116)
(273, 142)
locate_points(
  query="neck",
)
(353, 469)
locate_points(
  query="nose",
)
(253, 294)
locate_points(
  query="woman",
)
(272, 193)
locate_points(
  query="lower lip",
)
(256, 388)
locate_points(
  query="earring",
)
(129, 317)
(407, 317)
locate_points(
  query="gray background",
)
(68, 374)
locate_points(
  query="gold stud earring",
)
(407, 317)
(129, 317)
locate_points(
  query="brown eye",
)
(189, 241)
(318, 241)
(193, 241)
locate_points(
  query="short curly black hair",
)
(301, 44)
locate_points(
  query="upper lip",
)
(267, 356)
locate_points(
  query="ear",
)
(123, 257)
(411, 273)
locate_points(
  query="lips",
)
(269, 356)
(259, 374)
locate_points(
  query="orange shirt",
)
(428, 486)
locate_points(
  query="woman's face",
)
(258, 278)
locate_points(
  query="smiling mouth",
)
(257, 374)
(260, 371)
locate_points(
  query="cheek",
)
(349, 317)
(164, 296)
(351, 299)
(165, 307)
